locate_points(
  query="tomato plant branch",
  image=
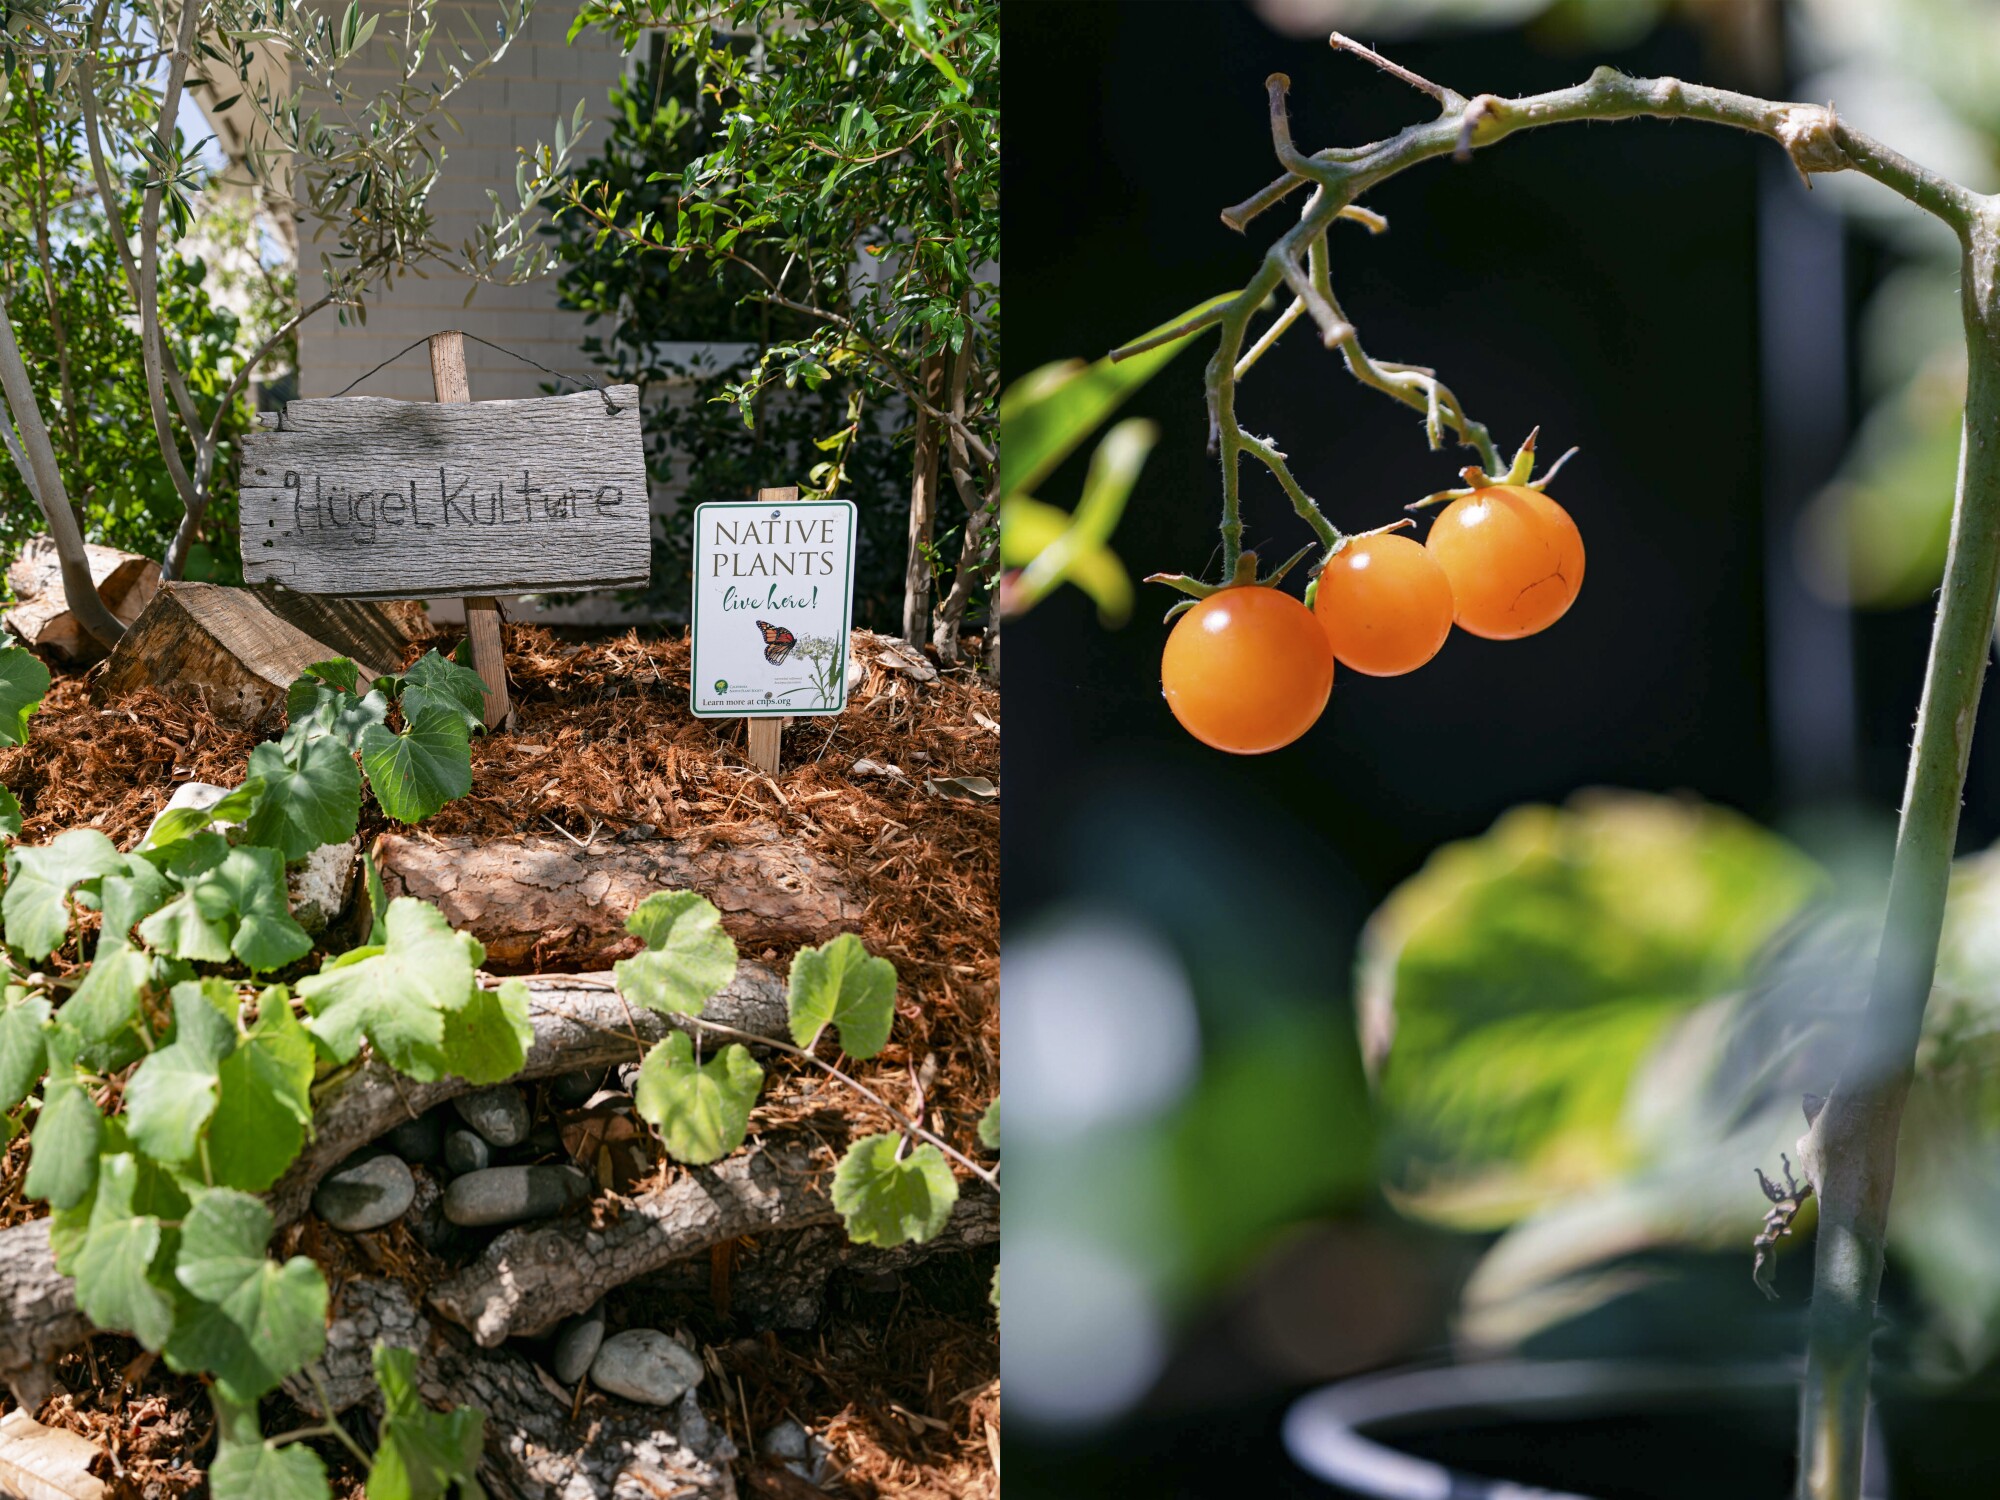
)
(1850, 1149)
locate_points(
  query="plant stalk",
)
(1852, 1144)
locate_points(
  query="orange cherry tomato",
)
(1385, 605)
(1247, 670)
(1514, 558)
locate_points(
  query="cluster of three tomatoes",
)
(1250, 669)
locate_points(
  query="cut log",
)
(579, 1021)
(41, 614)
(372, 632)
(782, 1282)
(543, 903)
(533, 1450)
(225, 644)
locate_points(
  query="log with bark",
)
(224, 644)
(41, 615)
(542, 902)
(534, 1451)
(580, 1022)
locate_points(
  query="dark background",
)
(1601, 282)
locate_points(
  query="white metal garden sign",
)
(773, 605)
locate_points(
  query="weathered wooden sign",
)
(773, 605)
(377, 499)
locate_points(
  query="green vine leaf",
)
(487, 1039)
(105, 1011)
(24, 1052)
(24, 682)
(688, 956)
(62, 1162)
(989, 1127)
(304, 798)
(128, 895)
(114, 1284)
(702, 1110)
(251, 1321)
(423, 1453)
(262, 1472)
(264, 1099)
(840, 984)
(337, 672)
(438, 682)
(36, 907)
(173, 1093)
(10, 814)
(397, 996)
(237, 908)
(891, 1202)
(416, 772)
(340, 713)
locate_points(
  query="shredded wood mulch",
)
(604, 745)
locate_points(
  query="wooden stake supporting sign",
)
(374, 499)
(773, 611)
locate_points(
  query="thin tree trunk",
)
(923, 509)
(36, 458)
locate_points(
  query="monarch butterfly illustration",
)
(778, 642)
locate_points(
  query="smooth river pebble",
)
(465, 1151)
(500, 1114)
(509, 1195)
(365, 1194)
(577, 1343)
(643, 1364)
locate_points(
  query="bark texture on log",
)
(782, 1283)
(533, 1450)
(531, 1278)
(371, 632)
(579, 1021)
(224, 643)
(541, 902)
(41, 615)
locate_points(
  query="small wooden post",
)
(766, 735)
(482, 615)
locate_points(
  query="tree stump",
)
(41, 615)
(224, 643)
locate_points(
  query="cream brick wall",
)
(515, 103)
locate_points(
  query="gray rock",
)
(510, 1195)
(576, 1345)
(573, 1090)
(416, 1140)
(367, 1193)
(499, 1114)
(786, 1441)
(465, 1152)
(321, 886)
(644, 1365)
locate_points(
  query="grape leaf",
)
(264, 1103)
(989, 1127)
(260, 1472)
(396, 996)
(888, 1202)
(10, 813)
(702, 1111)
(338, 673)
(422, 1452)
(378, 900)
(24, 682)
(438, 682)
(487, 1039)
(839, 984)
(239, 907)
(252, 1321)
(416, 772)
(306, 798)
(62, 1164)
(341, 715)
(688, 956)
(173, 1093)
(104, 1010)
(24, 1052)
(36, 906)
(113, 1264)
(130, 894)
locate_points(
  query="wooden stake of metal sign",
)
(766, 735)
(482, 615)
